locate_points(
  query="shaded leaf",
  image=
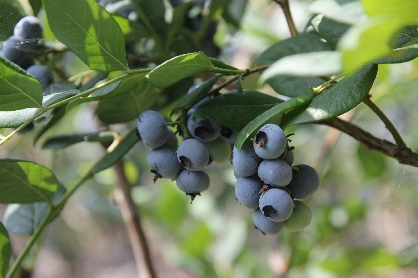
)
(56, 115)
(57, 97)
(126, 107)
(23, 219)
(349, 12)
(340, 98)
(220, 64)
(196, 95)
(330, 30)
(18, 90)
(179, 68)
(5, 250)
(26, 182)
(66, 140)
(275, 113)
(89, 31)
(235, 110)
(239, 85)
(132, 30)
(113, 155)
(10, 14)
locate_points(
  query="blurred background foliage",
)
(364, 214)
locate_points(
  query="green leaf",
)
(5, 250)
(271, 115)
(177, 24)
(197, 240)
(344, 11)
(26, 182)
(133, 30)
(18, 90)
(330, 30)
(65, 140)
(196, 95)
(234, 12)
(89, 31)
(405, 9)
(368, 41)
(323, 63)
(220, 64)
(340, 98)
(239, 84)
(16, 118)
(56, 115)
(114, 154)
(58, 86)
(57, 97)
(10, 13)
(23, 219)
(302, 43)
(235, 110)
(178, 68)
(126, 107)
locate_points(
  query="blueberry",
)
(304, 183)
(245, 161)
(276, 204)
(265, 225)
(28, 27)
(301, 217)
(15, 51)
(192, 183)
(163, 163)
(275, 172)
(247, 191)
(219, 150)
(270, 141)
(203, 129)
(152, 129)
(192, 155)
(42, 73)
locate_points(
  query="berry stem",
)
(389, 125)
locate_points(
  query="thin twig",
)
(133, 225)
(286, 10)
(389, 125)
(404, 155)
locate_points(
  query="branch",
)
(404, 155)
(286, 10)
(133, 225)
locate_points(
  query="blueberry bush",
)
(111, 111)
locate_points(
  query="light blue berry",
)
(276, 204)
(163, 163)
(304, 183)
(270, 141)
(152, 129)
(265, 225)
(247, 191)
(192, 155)
(275, 172)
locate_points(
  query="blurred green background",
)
(364, 214)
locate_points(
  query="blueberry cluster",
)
(268, 183)
(21, 49)
(183, 162)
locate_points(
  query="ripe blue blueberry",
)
(28, 27)
(275, 172)
(192, 155)
(152, 129)
(15, 51)
(42, 73)
(192, 183)
(276, 204)
(245, 161)
(304, 183)
(247, 191)
(203, 129)
(163, 163)
(265, 225)
(270, 141)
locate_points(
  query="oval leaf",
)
(66, 140)
(26, 182)
(179, 68)
(235, 110)
(330, 30)
(18, 90)
(340, 98)
(5, 250)
(89, 31)
(23, 219)
(16, 118)
(268, 115)
(321, 63)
